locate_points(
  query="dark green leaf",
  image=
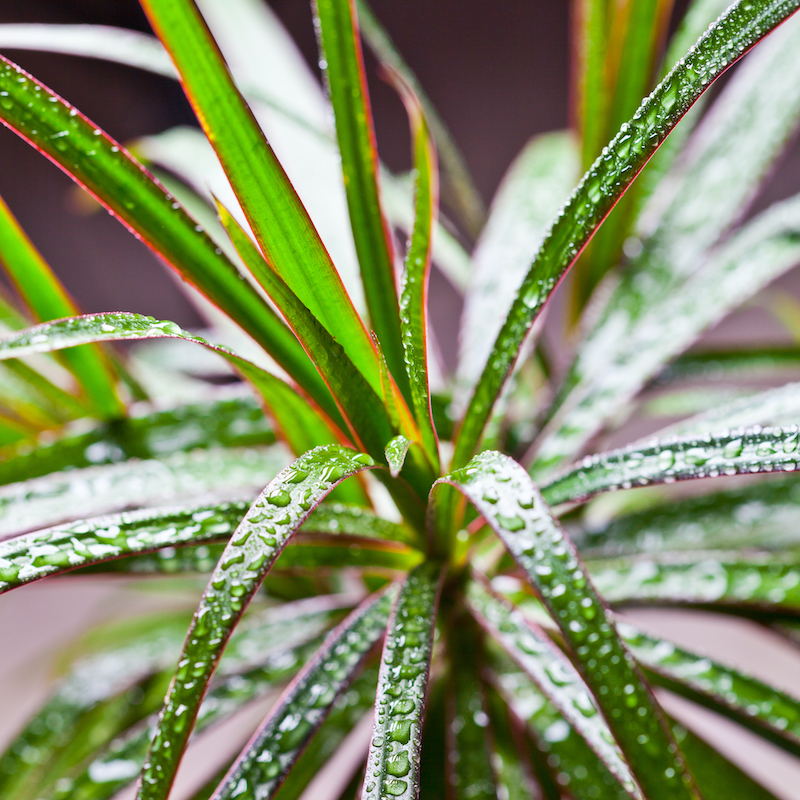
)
(394, 753)
(275, 747)
(678, 459)
(504, 494)
(273, 518)
(340, 48)
(743, 25)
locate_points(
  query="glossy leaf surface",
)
(394, 754)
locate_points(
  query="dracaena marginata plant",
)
(379, 541)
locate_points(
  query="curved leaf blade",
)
(504, 494)
(740, 28)
(340, 49)
(261, 536)
(302, 426)
(277, 744)
(678, 458)
(394, 752)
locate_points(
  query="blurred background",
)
(498, 73)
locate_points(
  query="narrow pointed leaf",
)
(261, 536)
(723, 364)
(232, 421)
(736, 452)
(218, 473)
(743, 25)
(459, 189)
(555, 676)
(47, 299)
(765, 584)
(340, 47)
(504, 494)
(722, 281)
(105, 169)
(280, 222)
(531, 192)
(763, 709)
(300, 424)
(416, 273)
(394, 753)
(275, 747)
(469, 758)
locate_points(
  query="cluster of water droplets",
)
(393, 761)
(271, 520)
(276, 746)
(743, 450)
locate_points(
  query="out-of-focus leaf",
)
(101, 166)
(235, 420)
(765, 515)
(281, 738)
(393, 763)
(505, 496)
(722, 282)
(343, 64)
(47, 299)
(763, 709)
(743, 25)
(469, 757)
(265, 530)
(761, 583)
(459, 189)
(678, 458)
(555, 676)
(279, 220)
(219, 473)
(720, 365)
(532, 191)
(302, 426)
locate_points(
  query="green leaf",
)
(555, 676)
(107, 171)
(744, 24)
(765, 515)
(359, 400)
(395, 453)
(269, 523)
(47, 299)
(614, 366)
(301, 425)
(530, 194)
(755, 582)
(678, 459)
(231, 421)
(221, 473)
(275, 747)
(504, 494)
(459, 188)
(469, 756)
(763, 709)
(416, 273)
(281, 224)
(394, 753)
(340, 48)
(722, 364)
